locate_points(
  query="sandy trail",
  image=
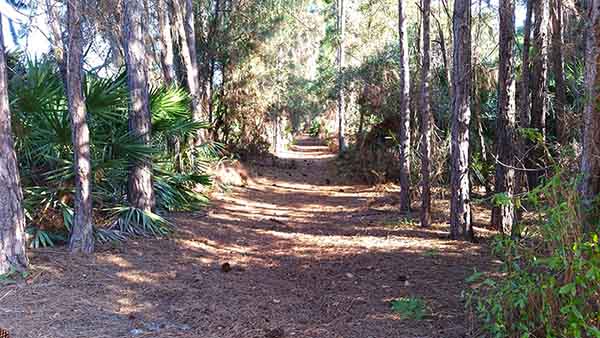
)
(309, 257)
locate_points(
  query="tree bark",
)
(12, 216)
(590, 159)
(341, 105)
(404, 132)
(141, 191)
(58, 47)
(556, 18)
(460, 212)
(503, 216)
(539, 94)
(426, 118)
(166, 42)
(184, 14)
(82, 233)
(524, 120)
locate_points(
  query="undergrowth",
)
(549, 283)
(45, 151)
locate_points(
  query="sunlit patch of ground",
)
(295, 253)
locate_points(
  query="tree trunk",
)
(524, 99)
(425, 113)
(560, 101)
(58, 47)
(184, 14)
(166, 42)
(141, 191)
(460, 212)
(341, 105)
(404, 132)
(590, 163)
(12, 216)
(82, 233)
(539, 94)
(503, 216)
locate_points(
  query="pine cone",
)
(4, 333)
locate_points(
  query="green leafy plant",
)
(43, 143)
(409, 308)
(550, 282)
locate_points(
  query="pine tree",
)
(460, 212)
(140, 190)
(12, 217)
(82, 234)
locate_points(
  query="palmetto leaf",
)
(133, 221)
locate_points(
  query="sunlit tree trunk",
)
(590, 159)
(524, 120)
(460, 209)
(426, 118)
(503, 216)
(82, 233)
(216, 19)
(167, 59)
(184, 14)
(141, 192)
(404, 132)
(341, 104)
(539, 93)
(12, 217)
(560, 101)
(56, 33)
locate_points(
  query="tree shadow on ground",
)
(305, 261)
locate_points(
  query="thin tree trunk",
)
(341, 105)
(166, 42)
(460, 212)
(58, 47)
(211, 55)
(524, 98)
(425, 113)
(444, 53)
(556, 17)
(82, 233)
(167, 63)
(503, 216)
(12, 216)
(141, 192)
(478, 121)
(184, 13)
(590, 163)
(404, 132)
(539, 94)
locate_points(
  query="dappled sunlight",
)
(297, 242)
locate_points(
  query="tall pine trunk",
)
(404, 132)
(556, 55)
(460, 209)
(56, 34)
(590, 159)
(141, 191)
(184, 14)
(12, 216)
(167, 59)
(426, 118)
(524, 115)
(539, 93)
(82, 234)
(503, 216)
(341, 105)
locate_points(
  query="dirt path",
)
(309, 257)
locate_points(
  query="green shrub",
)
(549, 284)
(409, 308)
(44, 148)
